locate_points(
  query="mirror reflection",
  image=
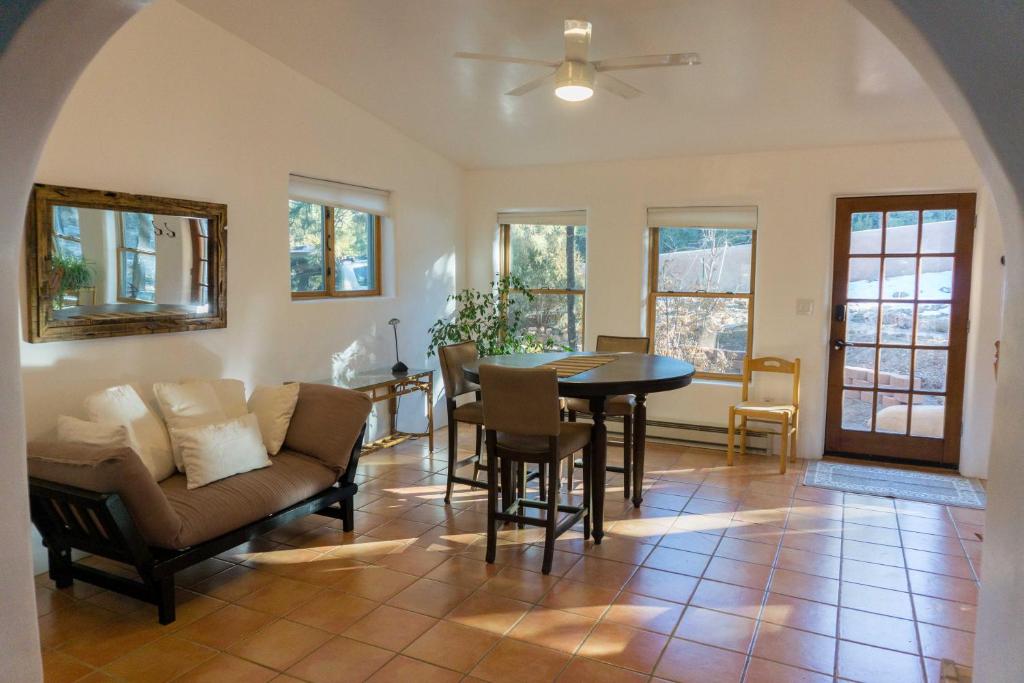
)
(114, 261)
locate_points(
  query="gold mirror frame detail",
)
(42, 327)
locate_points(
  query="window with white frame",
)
(701, 286)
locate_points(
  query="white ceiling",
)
(776, 74)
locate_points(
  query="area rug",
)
(942, 489)
(574, 365)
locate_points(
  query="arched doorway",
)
(40, 60)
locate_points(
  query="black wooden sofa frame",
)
(70, 518)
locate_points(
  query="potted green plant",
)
(68, 274)
(490, 319)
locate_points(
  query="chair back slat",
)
(611, 344)
(772, 364)
(521, 401)
(452, 358)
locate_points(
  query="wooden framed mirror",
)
(111, 264)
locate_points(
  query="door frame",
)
(917, 449)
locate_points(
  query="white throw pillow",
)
(273, 406)
(74, 430)
(123, 406)
(216, 451)
(192, 404)
(230, 393)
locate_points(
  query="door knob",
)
(838, 344)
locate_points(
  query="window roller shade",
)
(329, 193)
(542, 218)
(735, 217)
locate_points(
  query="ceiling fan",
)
(575, 76)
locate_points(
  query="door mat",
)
(941, 489)
(574, 365)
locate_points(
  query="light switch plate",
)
(805, 306)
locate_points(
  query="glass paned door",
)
(899, 326)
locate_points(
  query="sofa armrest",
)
(109, 470)
(326, 423)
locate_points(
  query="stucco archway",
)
(972, 58)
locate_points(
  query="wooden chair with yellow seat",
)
(787, 415)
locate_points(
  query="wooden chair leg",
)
(492, 503)
(792, 443)
(586, 489)
(479, 465)
(743, 435)
(572, 462)
(732, 436)
(552, 516)
(542, 479)
(453, 454)
(784, 455)
(627, 455)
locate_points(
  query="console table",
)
(383, 385)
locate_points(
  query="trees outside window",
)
(66, 233)
(334, 251)
(701, 301)
(551, 262)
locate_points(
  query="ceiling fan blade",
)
(529, 85)
(506, 60)
(577, 40)
(620, 88)
(648, 61)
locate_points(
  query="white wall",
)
(795, 194)
(177, 107)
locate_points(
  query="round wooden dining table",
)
(628, 373)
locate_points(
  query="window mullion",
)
(329, 257)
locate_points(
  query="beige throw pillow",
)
(122, 405)
(215, 451)
(86, 433)
(273, 407)
(192, 404)
(230, 394)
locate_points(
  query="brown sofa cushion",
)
(226, 505)
(109, 470)
(326, 423)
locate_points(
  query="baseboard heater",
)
(693, 434)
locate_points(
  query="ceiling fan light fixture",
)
(574, 81)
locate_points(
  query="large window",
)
(334, 238)
(701, 299)
(136, 272)
(549, 254)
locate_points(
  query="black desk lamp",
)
(399, 366)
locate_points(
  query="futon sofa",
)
(104, 501)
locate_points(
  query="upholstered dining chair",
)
(452, 358)
(615, 406)
(786, 415)
(523, 425)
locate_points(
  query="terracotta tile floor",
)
(724, 574)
